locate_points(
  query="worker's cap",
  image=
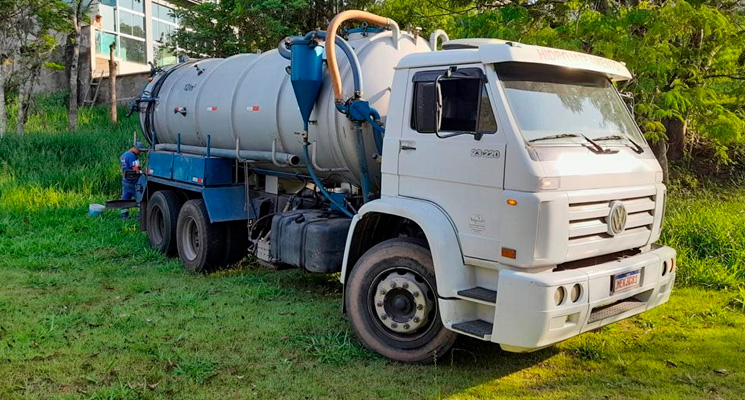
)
(140, 146)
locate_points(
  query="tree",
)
(687, 61)
(10, 10)
(686, 56)
(35, 27)
(77, 12)
(228, 27)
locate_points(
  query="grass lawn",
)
(88, 311)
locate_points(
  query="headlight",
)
(559, 295)
(576, 292)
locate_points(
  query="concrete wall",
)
(127, 88)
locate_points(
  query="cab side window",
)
(464, 106)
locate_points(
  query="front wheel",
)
(391, 300)
(200, 243)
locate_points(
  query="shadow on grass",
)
(470, 362)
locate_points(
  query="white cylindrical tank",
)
(248, 98)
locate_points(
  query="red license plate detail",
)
(626, 281)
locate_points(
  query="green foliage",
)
(51, 167)
(225, 28)
(708, 229)
(332, 347)
(687, 57)
(196, 368)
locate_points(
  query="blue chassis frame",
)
(224, 201)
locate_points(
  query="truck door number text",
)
(485, 153)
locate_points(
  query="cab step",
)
(477, 327)
(479, 293)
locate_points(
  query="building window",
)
(164, 23)
(132, 24)
(164, 13)
(122, 22)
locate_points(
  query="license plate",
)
(626, 281)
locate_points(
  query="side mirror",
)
(463, 109)
(628, 99)
(438, 106)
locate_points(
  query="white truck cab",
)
(538, 196)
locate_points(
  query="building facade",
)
(140, 30)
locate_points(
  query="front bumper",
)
(527, 317)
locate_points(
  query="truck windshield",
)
(555, 104)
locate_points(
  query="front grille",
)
(588, 225)
(590, 219)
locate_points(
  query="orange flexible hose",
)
(331, 42)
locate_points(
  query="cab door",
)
(459, 166)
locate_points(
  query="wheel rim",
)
(190, 239)
(158, 222)
(403, 304)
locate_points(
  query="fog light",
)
(550, 183)
(664, 268)
(576, 293)
(559, 295)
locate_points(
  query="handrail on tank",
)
(277, 162)
(439, 33)
(291, 160)
(331, 42)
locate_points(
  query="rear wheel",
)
(201, 244)
(161, 218)
(391, 300)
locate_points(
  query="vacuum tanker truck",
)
(489, 188)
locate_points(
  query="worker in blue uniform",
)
(130, 164)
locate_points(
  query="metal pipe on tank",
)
(282, 48)
(437, 34)
(251, 155)
(354, 62)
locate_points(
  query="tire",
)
(142, 215)
(397, 261)
(161, 217)
(201, 244)
(236, 241)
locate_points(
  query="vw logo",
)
(616, 218)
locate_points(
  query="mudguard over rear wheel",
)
(391, 301)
